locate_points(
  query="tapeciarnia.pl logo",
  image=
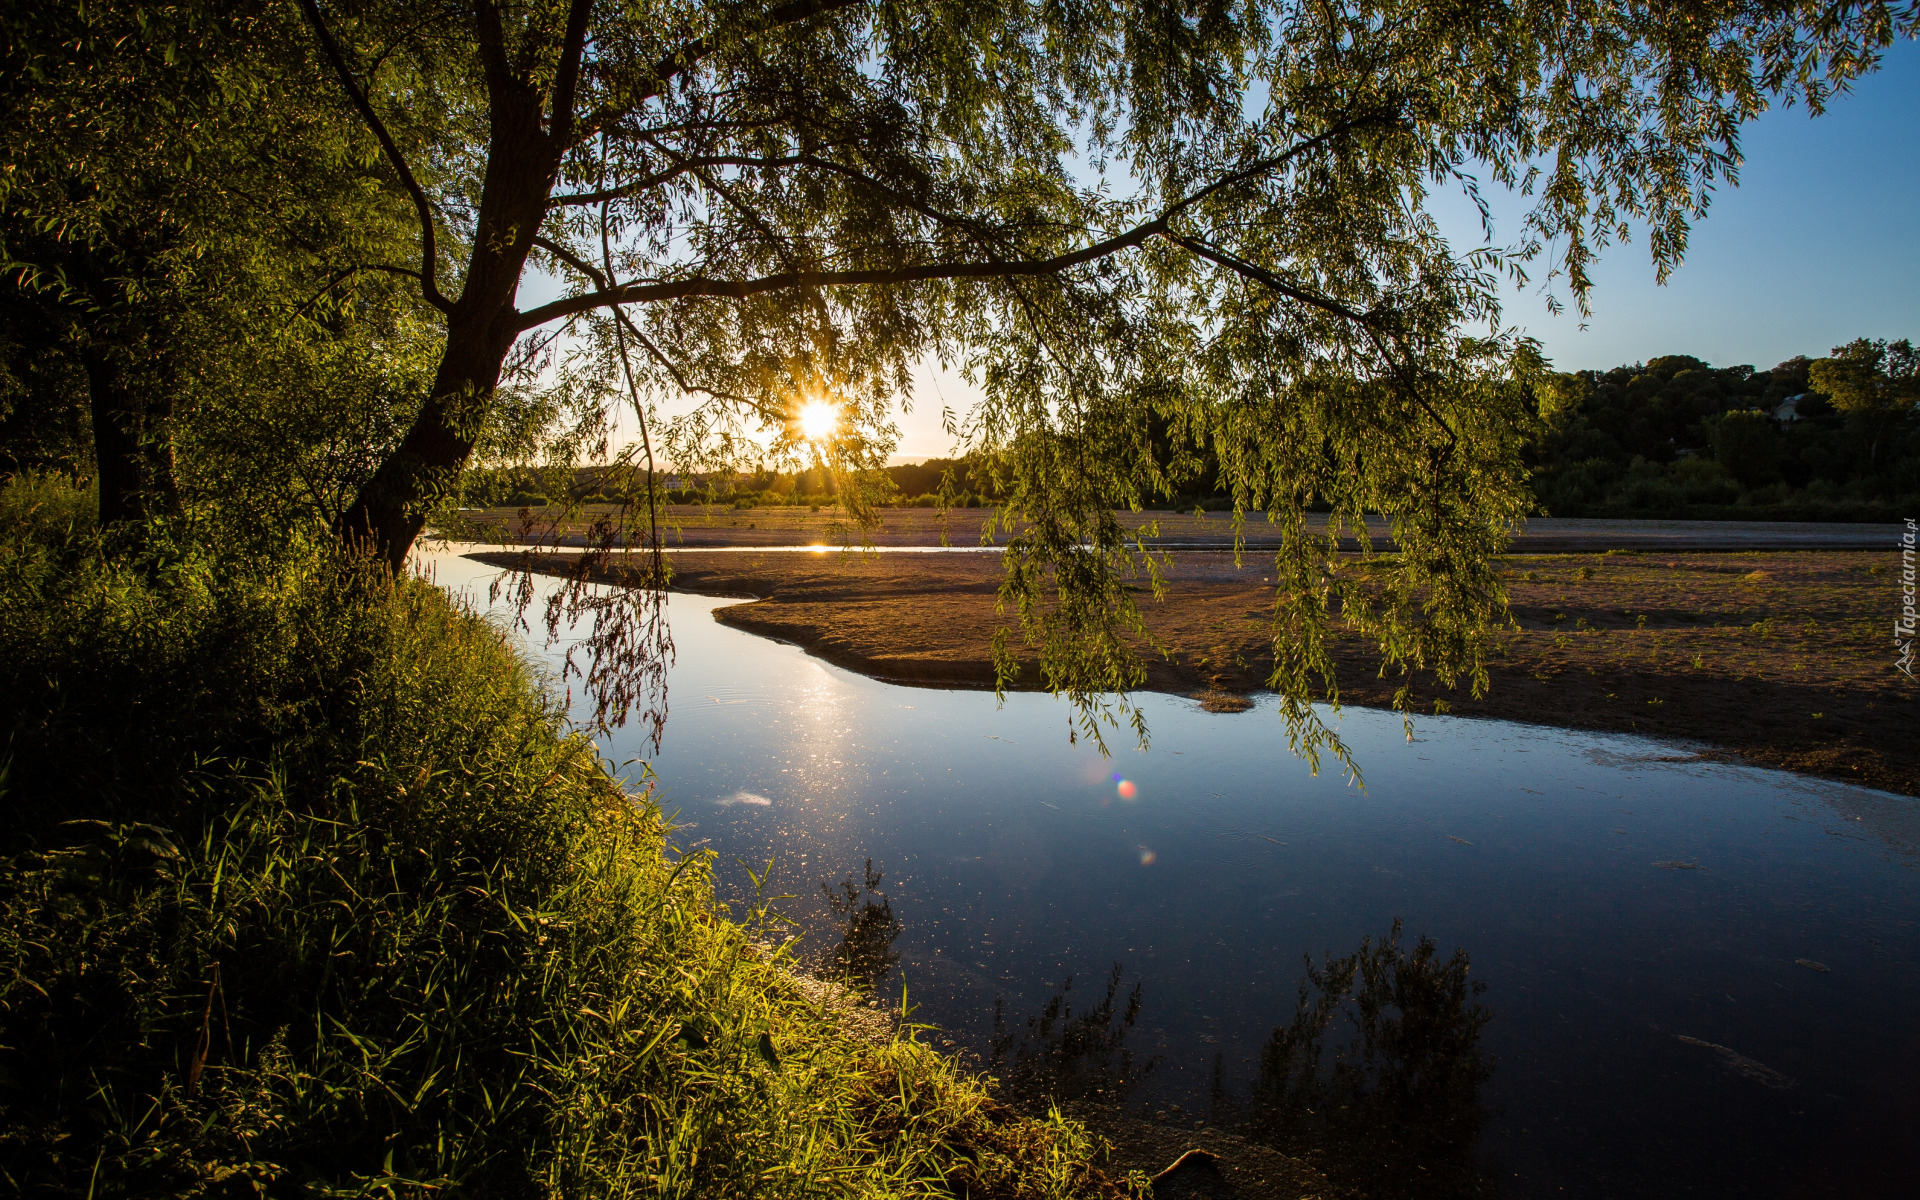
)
(1903, 624)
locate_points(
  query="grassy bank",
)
(309, 890)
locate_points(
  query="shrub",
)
(46, 508)
(1747, 444)
(1704, 481)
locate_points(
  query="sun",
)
(818, 420)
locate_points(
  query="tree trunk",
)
(132, 444)
(391, 509)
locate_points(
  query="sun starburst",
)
(817, 421)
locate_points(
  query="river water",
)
(1703, 979)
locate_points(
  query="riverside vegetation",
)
(309, 889)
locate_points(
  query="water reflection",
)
(1063, 1055)
(1378, 1074)
(865, 954)
(1375, 1080)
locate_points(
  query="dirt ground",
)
(1780, 658)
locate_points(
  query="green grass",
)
(309, 890)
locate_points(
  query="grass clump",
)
(309, 890)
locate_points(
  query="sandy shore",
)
(1781, 658)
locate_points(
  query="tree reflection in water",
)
(1394, 1104)
(1064, 1055)
(865, 954)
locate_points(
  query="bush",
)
(46, 508)
(526, 500)
(1747, 444)
(308, 888)
(1704, 481)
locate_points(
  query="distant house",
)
(1789, 409)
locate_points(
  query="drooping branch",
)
(742, 289)
(429, 254)
(1368, 322)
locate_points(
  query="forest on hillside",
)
(1822, 439)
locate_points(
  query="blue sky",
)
(1819, 244)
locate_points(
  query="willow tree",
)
(1206, 217)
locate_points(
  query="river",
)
(1702, 978)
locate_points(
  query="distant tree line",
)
(1833, 438)
(952, 482)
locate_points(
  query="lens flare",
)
(817, 421)
(1148, 857)
(1127, 790)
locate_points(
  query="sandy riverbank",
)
(1779, 658)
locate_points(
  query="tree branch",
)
(774, 240)
(603, 195)
(885, 189)
(567, 81)
(1264, 165)
(349, 273)
(428, 252)
(491, 38)
(1367, 321)
(679, 378)
(742, 289)
(572, 260)
(679, 62)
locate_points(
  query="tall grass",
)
(310, 890)
(45, 508)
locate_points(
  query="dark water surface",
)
(1654, 1031)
